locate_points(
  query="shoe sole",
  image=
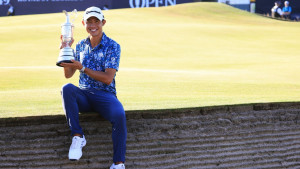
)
(73, 160)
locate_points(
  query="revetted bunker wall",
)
(238, 136)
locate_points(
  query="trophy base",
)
(63, 61)
(65, 56)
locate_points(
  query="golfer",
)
(97, 58)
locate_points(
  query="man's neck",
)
(95, 40)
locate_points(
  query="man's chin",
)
(95, 34)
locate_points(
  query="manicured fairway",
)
(189, 55)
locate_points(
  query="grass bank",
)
(188, 55)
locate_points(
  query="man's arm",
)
(104, 77)
(69, 72)
(288, 12)
(279, 11)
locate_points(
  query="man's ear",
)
(103, 22)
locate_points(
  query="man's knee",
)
(67, 88)
(119, 116)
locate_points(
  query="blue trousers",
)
(77, 100)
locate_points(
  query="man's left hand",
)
(74, 65)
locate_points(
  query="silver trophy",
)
(66, 54)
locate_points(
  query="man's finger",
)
(66, 64)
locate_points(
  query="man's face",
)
(94, 26)
(286, 4)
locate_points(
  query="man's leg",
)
(74, 100)
(111, 109)
(119, 132)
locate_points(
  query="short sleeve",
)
(113, 57)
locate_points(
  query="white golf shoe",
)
(75, 151)
(119, 166)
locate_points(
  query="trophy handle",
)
(65, 12)
(74, 15)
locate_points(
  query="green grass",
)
(189, 55)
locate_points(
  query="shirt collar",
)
(103, 41)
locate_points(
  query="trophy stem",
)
(68, 44)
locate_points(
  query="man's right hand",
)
(64, 44)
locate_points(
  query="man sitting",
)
(276, 10)
(286, 10)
